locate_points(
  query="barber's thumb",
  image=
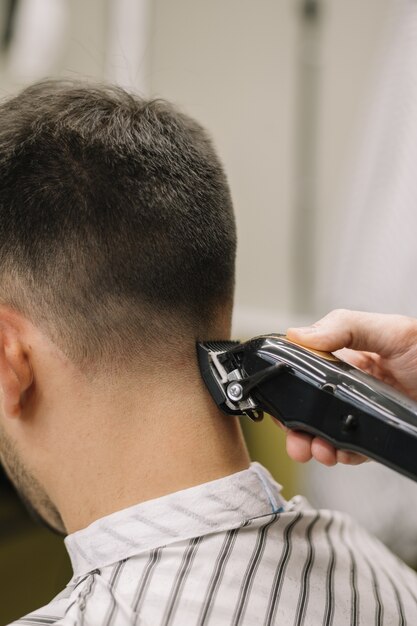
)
(332, 332)
(348, 329)
(313, 336)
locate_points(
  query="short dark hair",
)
(116, 222)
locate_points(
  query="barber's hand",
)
(385, 346)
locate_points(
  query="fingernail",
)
(305, 330)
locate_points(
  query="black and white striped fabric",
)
(230, 552)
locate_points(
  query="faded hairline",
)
(164, 337)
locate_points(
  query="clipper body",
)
(314, 392)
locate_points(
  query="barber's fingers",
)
(299, 446)
(351, 458)
(302, 447)
(387, 335)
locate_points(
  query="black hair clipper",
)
(314, 392)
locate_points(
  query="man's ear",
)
(15, 372)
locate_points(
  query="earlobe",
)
(15, 374)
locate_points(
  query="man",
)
(117, 253)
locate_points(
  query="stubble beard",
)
(33, 496)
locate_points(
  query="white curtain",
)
(374, 258)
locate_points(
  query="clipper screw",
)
(235, 392)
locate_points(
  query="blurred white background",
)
(281, 93)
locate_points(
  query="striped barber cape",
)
(226, 553)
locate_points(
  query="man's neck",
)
(146, 450)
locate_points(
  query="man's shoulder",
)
(37, 618)
(275, 567)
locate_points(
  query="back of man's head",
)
(116, 225)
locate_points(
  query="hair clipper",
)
(314, 392)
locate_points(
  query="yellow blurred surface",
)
(266, 443)
(34, 565)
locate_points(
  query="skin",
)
(79, 447)
(383, 345)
